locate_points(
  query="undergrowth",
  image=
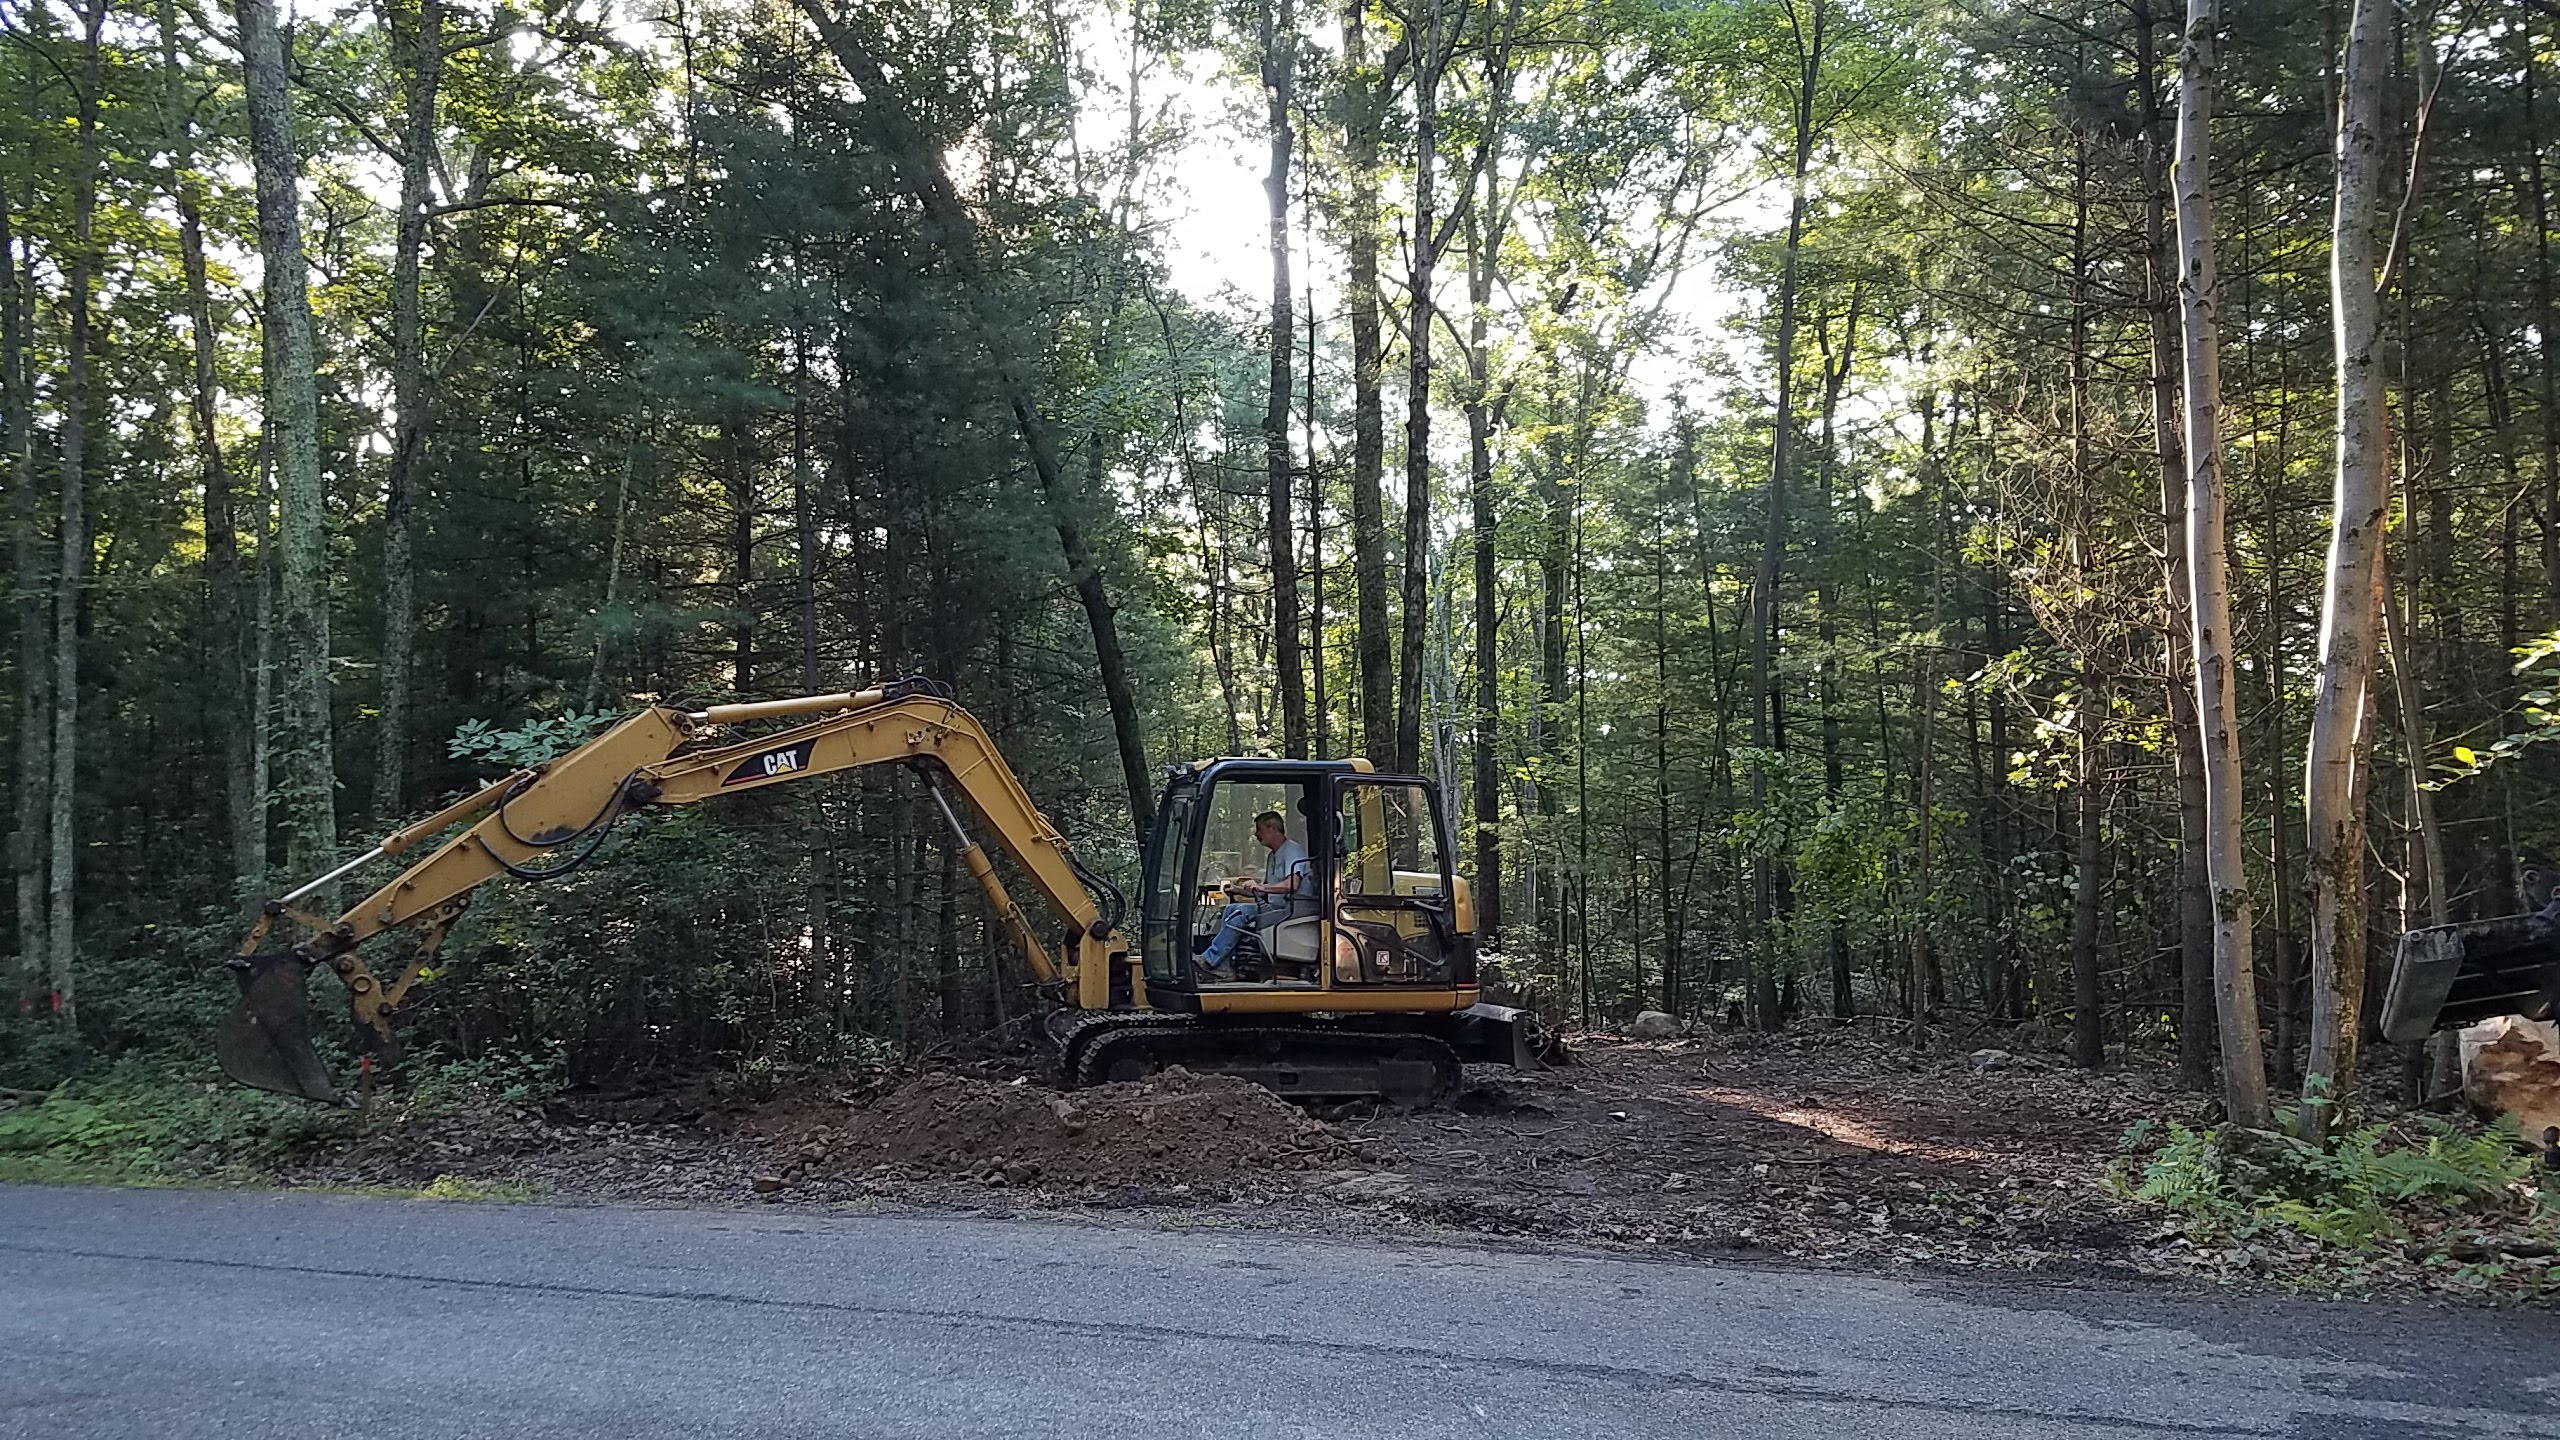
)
(2448, 1194)
(170, 1120)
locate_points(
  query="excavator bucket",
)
(2449, 976)
(265, 1041)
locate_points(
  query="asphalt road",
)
(175, 1314)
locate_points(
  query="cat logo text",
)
(771, 765)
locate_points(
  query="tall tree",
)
(1437, 41)
(28, 849)
(1362, 97)
(2350, 599)
(1808, 26)
(1279, 83)
(2195, 920)
(75, 403)
(408, 400)
(2235, 973)
(1485, 216)
(244, 804)
(306, 784)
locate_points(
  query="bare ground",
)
(1829, 1147)
(1826, 1147)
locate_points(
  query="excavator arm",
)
(548, 820)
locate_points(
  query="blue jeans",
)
(1233, 922)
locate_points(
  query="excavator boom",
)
(546, 821)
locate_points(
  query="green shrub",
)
(2365, 1185)
(463, 1187)
(158, 1119)
(500, 1081)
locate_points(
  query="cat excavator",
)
(1369, 990)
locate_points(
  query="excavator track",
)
(1296, 1061)
(1079, 1033)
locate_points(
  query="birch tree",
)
(2351, 594)
(2244, 1071)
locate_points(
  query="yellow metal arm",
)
(550, 818)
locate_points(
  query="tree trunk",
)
(408, 403)
(2416, 735)
(1485, 220)
(2351, 593)
(1765, 721)
(35, 766)
(1835, 378)
(1488, 646)
(1318, 702)
(2088, 991)
(2235, 976)
(1279, 72)
(1364, 104)
(738, 464)
(2095, 697)
(2195, 911)
(605, 614)
(74, 402)
(2546, 321)
(1423, 255)
(1554, 561)
(307, 783)
(227, 685)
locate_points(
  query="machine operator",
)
(1286, 891)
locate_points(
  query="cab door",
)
(1393, 892)
(1172, 851)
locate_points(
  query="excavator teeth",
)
(265, 1042)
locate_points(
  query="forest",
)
(1947, 513)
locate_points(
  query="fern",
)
(2362, 1186)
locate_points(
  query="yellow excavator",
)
(1365, 988)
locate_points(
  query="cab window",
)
(1394, 920)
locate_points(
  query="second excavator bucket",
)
(265, 1041)
(2449, 976)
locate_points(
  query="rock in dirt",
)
(1654, 1025)
(1169, 1129)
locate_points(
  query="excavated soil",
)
(1171, 1129)
(1827, 1147)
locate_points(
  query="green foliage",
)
(158, 1120)
(463, 1187)
(2368, 1184)
(530, 743)
(441, 1085)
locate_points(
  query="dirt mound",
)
(1169, 1129)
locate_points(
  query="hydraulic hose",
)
(596, 829)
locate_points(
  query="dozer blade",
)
(265, 1041)
(2449, 976)
(1500, 1035)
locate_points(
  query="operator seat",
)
(1291, 942)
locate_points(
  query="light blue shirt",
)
(1289, 859)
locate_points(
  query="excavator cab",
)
(1387, 925)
